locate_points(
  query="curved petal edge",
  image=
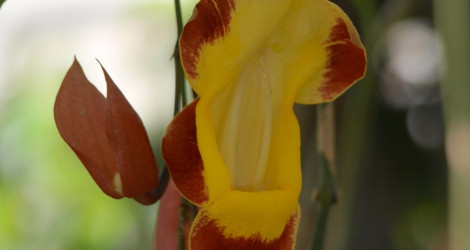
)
(181, 154)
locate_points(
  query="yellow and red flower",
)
(235, 151)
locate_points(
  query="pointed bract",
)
(129, 140)
(108, 137)
(79, 113)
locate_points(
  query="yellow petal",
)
(243, 220)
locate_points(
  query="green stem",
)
(326, 197)
(186, 216)
(326, 193)
(162, 183)
(180, 90)
(184, 96)
(181, 98)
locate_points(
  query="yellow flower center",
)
(244, 130)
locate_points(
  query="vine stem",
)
(181, 100)
(180, 88)
(325, 194)
(174, 237)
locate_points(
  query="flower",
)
(235, 151)
(108, 137)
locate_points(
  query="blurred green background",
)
(392, 175)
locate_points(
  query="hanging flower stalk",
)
(235, 151)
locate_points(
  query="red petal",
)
(181, 153)
(129, 140)
(346, 64)
(212, 22)
(79, 113)
(206, 234)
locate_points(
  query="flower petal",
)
(132, 150)
(311, 45)
(181, 153)
(346, 63)
(222, 35)
(79, 113)
(261, 221)
(250, 61)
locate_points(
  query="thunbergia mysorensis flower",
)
(108, 137)
(235, 151)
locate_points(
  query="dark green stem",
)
(177, 106)
(162, 184)
(180, 90)
(179, 80)
(184, 96)
(326, 197)
(185, 214)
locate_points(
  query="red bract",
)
(108, 137)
